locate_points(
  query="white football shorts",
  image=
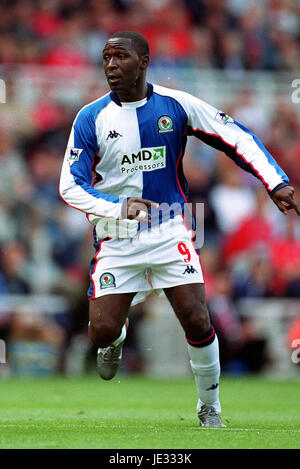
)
(161, 257)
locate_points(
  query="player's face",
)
(122, 65)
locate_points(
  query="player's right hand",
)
(138, 209)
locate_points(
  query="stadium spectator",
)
(242, 349)
(257, 281)
(231, 200)
(285, 259)
(252, 233)
(15, 268)
(13, 171)
(246, 109)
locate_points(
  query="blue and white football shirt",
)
(136, 150)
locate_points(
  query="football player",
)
(133, 141)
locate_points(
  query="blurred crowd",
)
(233, 34)
(250, 249)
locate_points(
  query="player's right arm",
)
(222, 132)
(76, 175)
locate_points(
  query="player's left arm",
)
(222, 132)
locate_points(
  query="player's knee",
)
(197, 320)
(103, 334)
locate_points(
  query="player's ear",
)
(145, 59)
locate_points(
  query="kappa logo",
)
(213, 386)
(145, 159)
(165, 124)
(224, 118)
(73, 154)
(190, 270)
(107, 280)
(113, 134)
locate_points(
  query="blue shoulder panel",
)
(85, 139)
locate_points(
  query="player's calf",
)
(103, 334)
(107, 317)
(109, 358)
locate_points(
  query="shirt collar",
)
(114, 96)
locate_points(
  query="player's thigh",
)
(174, 259)
(117, 268)
(189, 304)
(110, 310)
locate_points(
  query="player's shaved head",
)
(138, 41)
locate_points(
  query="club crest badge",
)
(107, 280)
(165, 124)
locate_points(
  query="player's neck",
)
(136, 93)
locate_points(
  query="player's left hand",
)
(284, 199)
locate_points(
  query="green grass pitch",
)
(131, 412)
